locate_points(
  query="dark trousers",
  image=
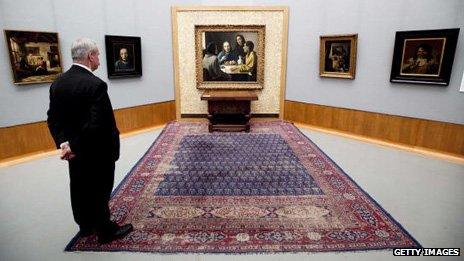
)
(91, 182)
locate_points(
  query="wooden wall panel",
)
(445, 137)
(144, 116)
(24, 139)
(440, 136)
(30, 138)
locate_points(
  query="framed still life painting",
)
(123, 56)
(424, 57)
(34, 56)
(229, 56)
(337, 56)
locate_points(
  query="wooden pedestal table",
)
(229, 110)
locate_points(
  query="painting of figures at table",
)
(230, 56)
(34, 56)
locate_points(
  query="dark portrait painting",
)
(424, 57)
(34, 56)
(123, 56)
(231, 55)
(338, 56)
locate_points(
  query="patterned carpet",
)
(270, 190)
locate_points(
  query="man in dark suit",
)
(81, 121)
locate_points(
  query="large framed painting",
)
(34, 56)
(229, 56)
(123, 56)
(424, 57)
(337, 56)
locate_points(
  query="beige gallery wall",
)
(184, 20)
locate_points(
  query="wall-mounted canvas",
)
(424, 57)
(34, 56)
(123, 56)
(229, 56)
(337, 57)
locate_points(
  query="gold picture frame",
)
(338, 56)
(235, 78)
(35, 56)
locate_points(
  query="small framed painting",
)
(123, 56)
(34, 56)
(424, 57)
(337, 56)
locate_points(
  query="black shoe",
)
(119, 232)
(85, 232)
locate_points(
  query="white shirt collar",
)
(83, 66)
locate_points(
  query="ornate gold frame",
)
(353, 38)
(233, 85)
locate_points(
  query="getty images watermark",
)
(427, 251)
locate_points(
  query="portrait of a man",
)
(422, 56)
(124, 61)
(123, 56)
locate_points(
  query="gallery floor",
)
(423, 193)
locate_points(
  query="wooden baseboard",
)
(427, 152)
(438, 136)
(40, 154)
(29, 139)
(144, 116)
(22, 140)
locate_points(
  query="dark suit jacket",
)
(80, 112)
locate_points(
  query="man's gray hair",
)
(81, 48)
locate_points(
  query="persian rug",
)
(270, 190)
